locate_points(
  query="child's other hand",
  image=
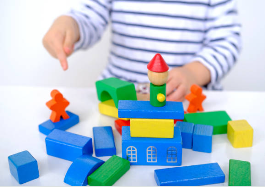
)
(182, 78)
(60, 39)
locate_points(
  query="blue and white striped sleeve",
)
(92, 17)
(222, 43)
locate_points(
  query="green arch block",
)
(116, 89)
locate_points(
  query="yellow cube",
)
(152, 128)
(240, 133)
(108, 108)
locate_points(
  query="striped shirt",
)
(182, 31)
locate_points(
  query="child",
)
(199, 39)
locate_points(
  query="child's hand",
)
(60, 39)
(180, 80)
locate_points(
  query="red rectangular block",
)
(119, 123)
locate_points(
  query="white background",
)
(24, 61)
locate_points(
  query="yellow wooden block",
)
(108, 108)
(152, 128)
(240, 133)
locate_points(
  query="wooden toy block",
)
(23, 166)
(217, 119)
(195, 175)
(186, 130)
(152, 128)
(68, 146)
(80, 169)
(143, 109)
(240, 133)
(57, 104)
(111, 171)
(152, 151)
(116, 89)
(239, 173)
(158, 95)
(158, 75)
(202, 138)
(195, 98)
(176, 120)
(104, 141)
(119, 123)
(108, 108)
(48, 126)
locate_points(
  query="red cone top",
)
(157, 64)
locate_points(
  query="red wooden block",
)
(176, 120)
(119, 123)
(158, 64)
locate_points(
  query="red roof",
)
(157, 64)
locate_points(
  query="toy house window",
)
(151, 154)
(172, 155)
(131, 153)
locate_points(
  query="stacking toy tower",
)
(151, 138)
(157, 74)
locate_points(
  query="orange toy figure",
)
(57, 105)
(195, 98)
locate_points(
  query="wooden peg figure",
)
(196, 97)
(57, 104)
(158, 75)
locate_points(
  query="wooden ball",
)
(158, 78)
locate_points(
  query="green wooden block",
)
(116, 89)
(239, 173)
(154, 91)
(217, 119)
(107, 174)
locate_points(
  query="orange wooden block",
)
(58, 105)
(119, 123)
(196, 97)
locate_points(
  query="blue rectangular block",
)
(152, 151)
(67, 145)
(23, 166)
(195, 175)
(80, 169)
(202, 138)
(48, 126)
(143, 109)
(186, 130)
(104, 141)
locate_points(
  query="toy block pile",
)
(151, 138)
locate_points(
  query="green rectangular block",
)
(217, 119)
(107, 174)
(239, 173)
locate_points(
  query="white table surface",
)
(22, 109)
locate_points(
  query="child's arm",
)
(80, 28)
(219, 54)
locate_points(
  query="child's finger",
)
(178, 94)
(172, 84)
(69, 42)
(61, 55)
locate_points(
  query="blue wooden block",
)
(48, 126)
(80, 169)
(23, 166)
(152, 151)
(195, 175)
(186, 130)
(143, 109)
(104, 141)
(202, 138)
(67, 145)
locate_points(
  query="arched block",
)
(116, 89)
